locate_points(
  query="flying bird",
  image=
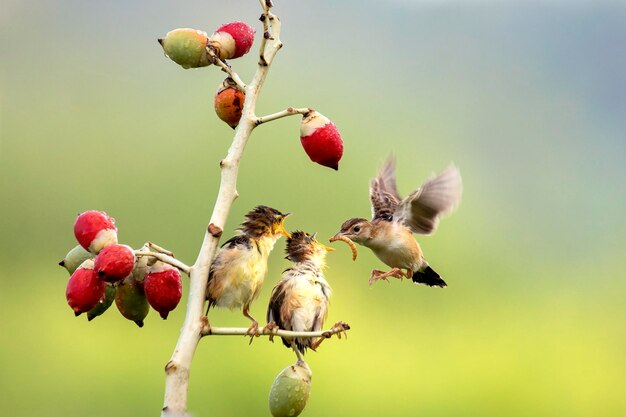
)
(299, 302)
(394, 220)
(237, 273)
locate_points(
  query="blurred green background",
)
(527, 98)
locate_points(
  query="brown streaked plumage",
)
(394, 220)
(237, 273)
(299, 302)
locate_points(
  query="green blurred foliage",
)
(526, 98)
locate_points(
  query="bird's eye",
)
(356, 229)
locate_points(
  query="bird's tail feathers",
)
(429, 277)
(301, 343)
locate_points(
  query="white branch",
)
(242, 331)
(167, 259)
(158, 248)
(289, 111)
(178, 368)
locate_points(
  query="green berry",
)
(131, 301)
(186, 47)
(74, 258)
(290, 390)
(104, 304)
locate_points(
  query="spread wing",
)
(383, 191)
(439, 195)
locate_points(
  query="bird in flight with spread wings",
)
(394, 220)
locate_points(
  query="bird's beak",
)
(281, 228)
(332, 239)
(314, 237)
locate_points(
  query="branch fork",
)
(178, 368)
(196, 325)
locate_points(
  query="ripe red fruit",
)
(94, 230)
(84, 289)
(163, 288)
(115, 262)
(321, 140)
(229, 100)
(232, 40)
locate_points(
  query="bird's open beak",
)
(281, 228)
(314, 237)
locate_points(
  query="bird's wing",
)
(439, 195)
(383, 191)
(322, 309)
(277, 299)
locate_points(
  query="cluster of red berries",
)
(103, 271)
(189, 48)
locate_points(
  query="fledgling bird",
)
(237, 273)
(394, 220)
(299, 302)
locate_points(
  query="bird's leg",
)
(378, 275)
(374, 276)
(270, 327)
(409, 274)
(316, 343)
(253, 330)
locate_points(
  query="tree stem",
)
(178, 368)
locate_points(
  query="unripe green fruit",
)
(290, 390)
(131, 301)
(186, 47)
(74, 258)
(104, 304)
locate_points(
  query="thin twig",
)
(226, 68)
(243, 331)
(158, 248)
(266, 30)
(289, 111)
(167, 259)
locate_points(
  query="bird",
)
(299, 302)
(237, 273)
(394, 220)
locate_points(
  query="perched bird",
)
(394, 220)
(237, 273)
(299, 302)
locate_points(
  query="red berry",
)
(84, 289)
(232, 40)
(94, 230)
(163, 288)
(229, 101)
(115, 262)
(321, 140)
